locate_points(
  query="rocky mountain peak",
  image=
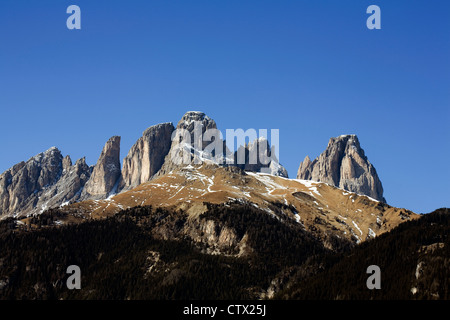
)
(151, 131)
(184, 152)
(347, 142)
(181, 151)
(196, 123)
(106, 172)
(189, 118)
(46, 167)
(344, 165)
(21, 185)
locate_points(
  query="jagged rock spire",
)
(344, 165)
(106, 172)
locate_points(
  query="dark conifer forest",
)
(414, 257)
(122, 257)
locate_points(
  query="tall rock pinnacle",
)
(344, 165)
(106, 172)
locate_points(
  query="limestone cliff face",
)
(44, 181)
(20, 185)
(146, 156)
(68, 188)
(344, 164)
(106, 172)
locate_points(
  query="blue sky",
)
(311, 69)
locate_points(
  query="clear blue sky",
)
(311, 69)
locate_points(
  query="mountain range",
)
(170, 225)
(49, 180)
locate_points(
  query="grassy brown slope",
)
(318, 207)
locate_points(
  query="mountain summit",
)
(343, 164)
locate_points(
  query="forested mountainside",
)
(237, 252)
(138, 254)
(414, 259)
